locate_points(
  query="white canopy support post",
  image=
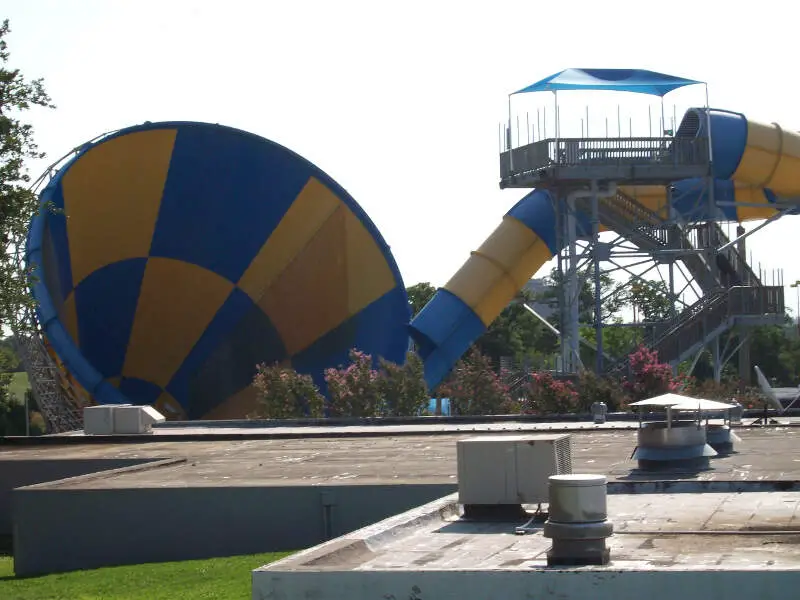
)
(558, 125)
(508, 137)
(708, 121)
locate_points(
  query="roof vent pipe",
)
(578, 520)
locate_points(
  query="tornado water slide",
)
(754, 165)
(185, 254)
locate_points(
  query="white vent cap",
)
(577, 480)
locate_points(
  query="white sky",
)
(399, 102)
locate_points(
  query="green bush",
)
(283, 393)
(403, 387)
(596, 388)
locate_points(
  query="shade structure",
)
(694, 404)
(663, 400)
(187, 253)
(621, 80)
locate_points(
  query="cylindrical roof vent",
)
(578, 520)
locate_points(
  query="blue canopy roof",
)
(620, 80)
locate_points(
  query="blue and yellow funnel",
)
(187, 253)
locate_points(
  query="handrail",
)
(707, 314)
(572, 152)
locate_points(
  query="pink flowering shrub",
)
(474, 388)
(355, 390)
(283, 393)
(547, 395)
(648, 376)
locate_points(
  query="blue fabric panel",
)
(443, 331)
(139, 391)
(227, 186)
(690, 199)
(73, 359)
(49, 271)
(728, 140)
(370, 331)
(105, 393)
(45, 309)
(216, 335)
(537, 212)
(621, 80)
(231, 365)
(106, 305)
(57, 225)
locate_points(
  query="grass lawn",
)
(19, 385)
(216, 578)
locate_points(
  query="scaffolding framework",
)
(584, 177)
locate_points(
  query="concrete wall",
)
(61, 529)
(18, 473)
(555, 584)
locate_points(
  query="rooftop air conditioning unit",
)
(135, 419)
(511, 469)
(99, 420)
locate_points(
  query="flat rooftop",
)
(696, 531)
(382, 457)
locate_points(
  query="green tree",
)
(17, 202)
(610, 292)
(419, 295)
(776, 354)
(403, 386)
(516, 333)
(651, 299)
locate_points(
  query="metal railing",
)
(595, 152)
(634, 218)
(707, 316)
(711, 235)
(695, 323)
(627, 216)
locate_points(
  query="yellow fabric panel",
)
(309, 298)
(652, 197)
(239, 406)
(313, 206)
(112, 195)
(368, 273)
(771, 159)
(176, 303)
(497, 271)
(761, 154)
(69, 317)
(752, 195)
(169, 407)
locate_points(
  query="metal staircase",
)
(59, 413)
(708, 318)
(713, 315)
(733, 293)
(648, 231)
